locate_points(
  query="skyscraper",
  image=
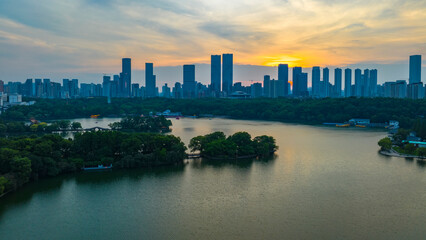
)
(126, 70)
(316, 80)
(326, 82)
(337, 82)
(215, 74)
(373, 83)
(227, 73)
(267, 86)
(150, 81)
(188, 81)
(358, 82)
(297, 71)
(348, 82)
(282, 80)
(415, 69)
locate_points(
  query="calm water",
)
(325, 183)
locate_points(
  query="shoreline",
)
(393, 153)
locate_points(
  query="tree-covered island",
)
(239, 145)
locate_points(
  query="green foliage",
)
(3, 184)
(421, 152)
(142, 124)
(385, 143)
(21, 167)
(25, 158)
(410, 148)
(313, 111)
(240, 144)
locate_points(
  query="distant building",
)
(282, 89)
(188, 81)
(415, 69)
(215, 74)
(337, 82)
(150, 80)
(326, 82)
(348, 82)
(316, 81)
(227, 73)
(127, 76)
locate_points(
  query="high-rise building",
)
(227, 73)
(188, 81)
(28, 88)
(166, 91)
(348, 82)
(415, 69)
(337, 82)
(326, 82)
(267, 86)
(256, 90)
(282, 89)
(150, 80)
(106, 86)
(373, 83)
(74, 88)
(215, 74)
(358, 82)
(127, 76)
(316, 80)
(366, 83)
(135, 90)
(297, 71)
(1, 86)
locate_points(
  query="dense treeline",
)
(312, 111)
(23, 159)
(142, 124)
(240, 144)
(42, 127)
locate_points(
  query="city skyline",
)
(85, 37)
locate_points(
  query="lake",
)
(323, 183)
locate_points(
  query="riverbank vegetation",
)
(23, 159)
(311, 111)
(400, 141)
(142, 124)
(239, 145)
(16, 127)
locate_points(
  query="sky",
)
(87, 38)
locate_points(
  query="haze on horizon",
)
(89, 37)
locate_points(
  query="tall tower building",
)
(358, 82)
(267, 86)
(337, 82)
(316, 80)
(373, 83)
(297, 72)
(326, 81)
(215, 74)
(415, 69)
(126, 65)
(282, 80)
(348, 82)
(227, 73)
(150, 81)
(188, 81)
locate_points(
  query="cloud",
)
(91, 36)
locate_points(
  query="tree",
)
(385, 143)
(3, 183)
(421, 152)
(76, 125)
(21, 167)
(410, 148)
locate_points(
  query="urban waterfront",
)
(324, 183)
